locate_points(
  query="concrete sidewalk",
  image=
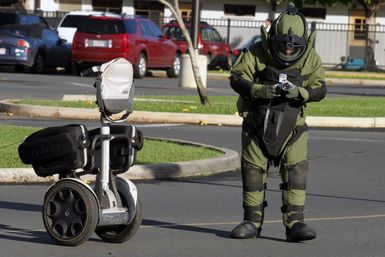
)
(188, 118)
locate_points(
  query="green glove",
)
(292, 92)
(264, 91)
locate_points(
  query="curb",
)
(189, 118)
(228, 161)
(359, 82)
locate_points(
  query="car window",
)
(102, 26)
(130, 26)
(252, 41)
(7, 18)
(29, 19)
(214, 35)
(205, 34)
(13, 32)
(73, 21)
(50, 35)
(23, 30)
(146, 29)
(156, 32)
(175, 33)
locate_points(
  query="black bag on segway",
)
(125, 142)
(55, 150)
(115, 90)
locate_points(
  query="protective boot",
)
(300, 231)
(254, 186)
(293, 198)
(246, 230)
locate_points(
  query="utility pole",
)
(196, 10)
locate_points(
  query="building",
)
(341, 30)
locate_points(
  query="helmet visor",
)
(288, 48)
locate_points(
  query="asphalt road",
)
(193, 216)
(55, 85)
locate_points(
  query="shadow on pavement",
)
(25, 235)
(168, 225)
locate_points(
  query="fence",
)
(331, 42)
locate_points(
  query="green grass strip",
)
(154, 150)
(330, 106)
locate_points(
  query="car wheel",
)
(69, 66)
(38, 65)
(76, 68)
(228, 63)
(141, 67)
(209, 60)
(174, 71)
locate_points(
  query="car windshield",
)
(73, 21)
(252, 41)
(175, 33)
(14, 32)
(102, 26)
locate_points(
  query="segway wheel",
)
(70, 212)
(122, 233)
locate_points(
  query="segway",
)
(73, 209)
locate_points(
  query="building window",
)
(359, 29)
(105, 5)
(315, 13)
(239, 10)
(8, 3)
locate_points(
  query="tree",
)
(194, 63)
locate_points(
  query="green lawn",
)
(153, 151)
(330, 106)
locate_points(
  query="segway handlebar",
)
(89, 71)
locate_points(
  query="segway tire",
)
(70, 212)
(122, 233)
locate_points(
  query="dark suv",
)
(100, 39)
(210, 43)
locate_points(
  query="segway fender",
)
(130, 193)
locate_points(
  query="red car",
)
(210, 43)
(100, 39)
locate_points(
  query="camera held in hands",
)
(284, 85)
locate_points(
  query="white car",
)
(70, 22)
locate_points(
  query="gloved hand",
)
(292, 92)
(288, 89)
(264, 91)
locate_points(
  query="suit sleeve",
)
(242, 75)
(315, 89)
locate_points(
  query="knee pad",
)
(252, 178)
(296, 176)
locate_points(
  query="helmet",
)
(288, 31)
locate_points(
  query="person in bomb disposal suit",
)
(275, 79)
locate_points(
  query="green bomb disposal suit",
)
(274, 131)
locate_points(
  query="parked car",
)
(71, 21)
(21, 18)
(139, 40)
(210, 43)
(34, 47)
(245, 46)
